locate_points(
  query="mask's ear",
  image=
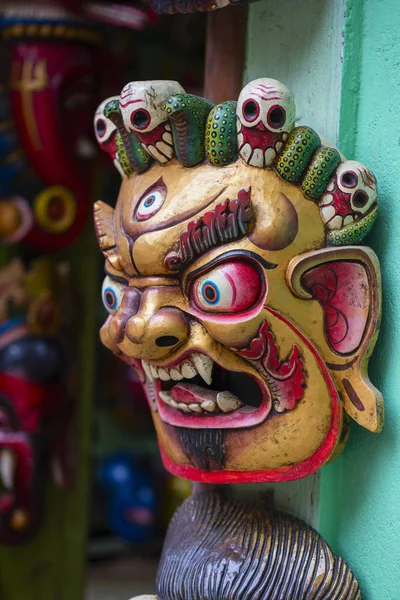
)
(346, 283)
(105, 232)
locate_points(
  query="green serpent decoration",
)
(296, 154)
(353, 233)
(132, 155)
(221, 139)
(188, 115)
(321, 168)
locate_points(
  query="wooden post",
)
(225, 53)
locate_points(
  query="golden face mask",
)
(234, 283)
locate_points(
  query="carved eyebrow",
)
(115, 277)
(226, 222)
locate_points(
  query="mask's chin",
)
(198, 393)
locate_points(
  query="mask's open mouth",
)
(199, 393)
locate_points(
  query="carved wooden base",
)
(224, 549)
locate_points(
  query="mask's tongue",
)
(188, 393)
(209, 400)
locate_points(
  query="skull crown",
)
(157, 121)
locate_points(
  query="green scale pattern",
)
(188, 115)
(354, 233)
(296, 154)
(221, 139)
(322, 167)
(132, 156)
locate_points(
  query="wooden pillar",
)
(225, 53)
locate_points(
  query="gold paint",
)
(49, 31)
(33, 79)
(372, 417)
(137, 250)
(144, 282)
(19, 520)
(190, 194)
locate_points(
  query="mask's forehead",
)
(281, 223)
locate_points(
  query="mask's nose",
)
(144, 329)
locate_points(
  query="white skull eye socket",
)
(250, 110)
(111, 294)
(140, 119)
(151, 201)
(103, 128)
(349, 179)
(276, 117)
(360, 199)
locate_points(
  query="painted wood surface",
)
(225, 53)
(359, 512)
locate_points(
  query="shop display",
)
(35, 406)
(52, 66)
(132, 506)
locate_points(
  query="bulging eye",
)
(276, 117)
(235, 287)
(151, 202)
(112, 293)
(251, 110)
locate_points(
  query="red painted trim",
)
(303, 469)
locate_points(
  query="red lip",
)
(185, 392)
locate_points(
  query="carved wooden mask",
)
(235, 283)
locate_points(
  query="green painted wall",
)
(349, 90)
(368, 475)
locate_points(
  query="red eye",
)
(233, 287)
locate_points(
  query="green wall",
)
(368, 475)
(350, 91)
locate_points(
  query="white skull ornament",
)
(106, 133)
(350, 195)
(143, 113)
(266, 115)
